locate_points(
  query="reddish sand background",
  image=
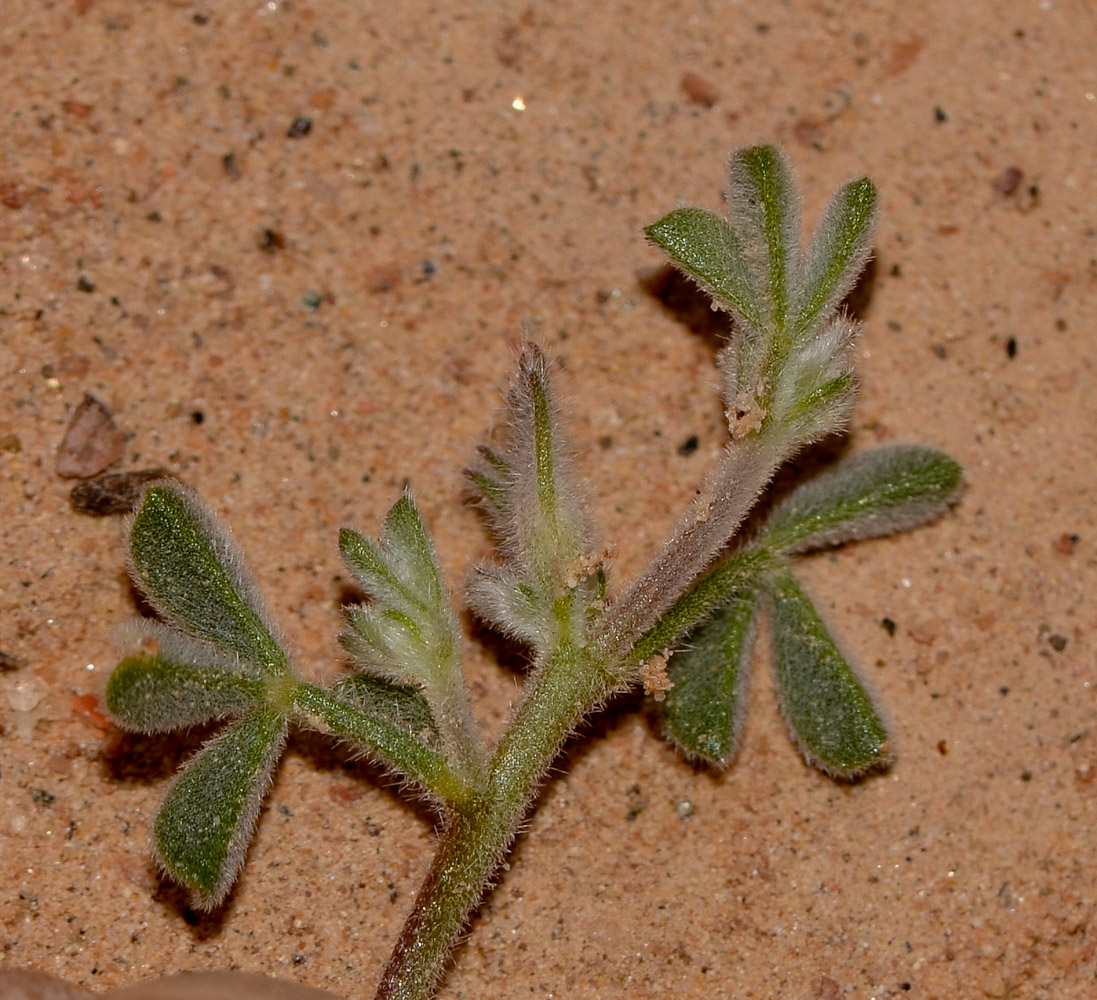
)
(299, 325)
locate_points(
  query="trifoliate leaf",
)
(832, 716)
(193, 574)
(704, 709)
(205, 824)
(550, 581)
(408, 632)
(867, 495)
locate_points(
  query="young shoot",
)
(684, 628)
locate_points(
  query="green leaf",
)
(813, 392)
(502, 600)
(831, 714)
(399, 706)
(706, 247)
(207, 820)
(193, 574)
(837, 253)
(550, 579)
(151, 694)
(412, 555)
(704, 709)
(765, 210)
(408, 632)
(548, 522)
(490, 485)
(402, 570)
(867, 495)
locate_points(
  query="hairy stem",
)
(743, 472)
(326, 711)
(478, 833)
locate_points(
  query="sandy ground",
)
(298, 319)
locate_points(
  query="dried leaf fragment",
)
(113, 493)
(92, 442)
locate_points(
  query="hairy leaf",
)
(206, 822)
(399, 706)
(549, 579)
(408, 632)
(151, 694)
(828, 708)
(837, 253)
(704, 709)
(396, 724)
(867, 495)
(192, 573)
(765, 211)
(706, 247)
(504, 602)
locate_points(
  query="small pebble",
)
(299, 128)
(699, 90)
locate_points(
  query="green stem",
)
(479, 831)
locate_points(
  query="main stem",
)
(479, 832)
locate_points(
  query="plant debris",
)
(92, 442)
(113, 493)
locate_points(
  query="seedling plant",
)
(683, 629)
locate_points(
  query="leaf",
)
(833, 718)
(813, 394)
(499, 598)
(395, 723)
(548, 526)
(151, 694)
(706, 247)
(193, 574)
(408, 633)
(550, 580)
(206, 822)
(704, 709)
(399, 706)
(837, 253)
(489, 484)
(402, 570)
(867, 495)
(765, 210)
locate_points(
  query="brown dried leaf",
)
(113, 493)
(92, 442)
